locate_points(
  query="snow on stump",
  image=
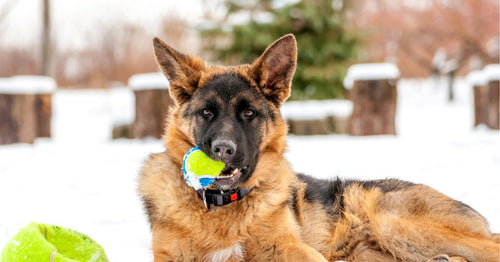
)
(317, 117)
(486, 96)
(373, 92)
(25, 108)
(152, 101)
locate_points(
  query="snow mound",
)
(477, 78)
(148, 81)
(316, 110)
(492, 72)
(27, 84)
(370, 71)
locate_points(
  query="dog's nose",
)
(224, 149)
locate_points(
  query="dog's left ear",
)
(274, 69)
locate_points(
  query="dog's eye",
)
(248, 113)
(205, 112)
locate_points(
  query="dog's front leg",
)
(299, 251)
(277, 247)
(170, 245)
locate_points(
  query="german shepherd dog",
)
(258, 209)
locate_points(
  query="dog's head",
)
(230, 112)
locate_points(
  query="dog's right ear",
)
(182, 71)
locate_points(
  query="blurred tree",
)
(464, 32)
(324, 46)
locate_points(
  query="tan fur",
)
(275, 222)
(409, 225)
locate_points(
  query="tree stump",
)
(152, 102)
(311, 127)
(122, 131)
(374, 98)
(485, 84)
(492, 96)
(492, 105)
(17, 119)
(308, 127)
(479, 82)
(25, 108)
(480, 102)
(43, 110)
(338, 124)
(317, 117)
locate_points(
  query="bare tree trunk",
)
(451, 91)
(46, 59)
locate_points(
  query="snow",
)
(83, 180)
(492, 72)
(439, 58)
(449, 66)
(370, 71)
(27, 84)
(477, 78)
(316, 110)
(148, 81)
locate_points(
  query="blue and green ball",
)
(199, 169)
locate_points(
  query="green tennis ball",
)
(202, 165)
(199, 169)
(40, 242)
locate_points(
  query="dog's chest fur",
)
(228, 233)
(234, 252)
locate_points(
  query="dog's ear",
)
(182, 71)
(274, 69)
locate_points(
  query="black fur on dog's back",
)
(327, 192)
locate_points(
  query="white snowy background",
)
(83, 180)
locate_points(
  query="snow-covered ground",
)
(83, 180)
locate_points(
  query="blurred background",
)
(71, 149)
(98, 44)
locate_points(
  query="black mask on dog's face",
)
(230, 119)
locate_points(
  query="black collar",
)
(221, 197)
